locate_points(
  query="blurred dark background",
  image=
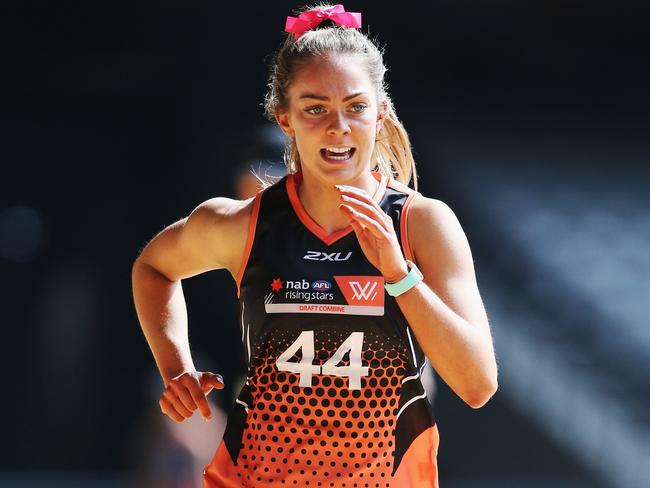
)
(530, 119)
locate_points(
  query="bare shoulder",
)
(212, 236)
(431, 210)
(223, 213)
(437, 238)
(225, 222)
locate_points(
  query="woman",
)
(348, 282)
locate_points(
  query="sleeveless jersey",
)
(333, 396)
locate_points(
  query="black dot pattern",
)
(326, 434)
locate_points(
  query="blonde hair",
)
(392, 154)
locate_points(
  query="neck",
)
(321, 200)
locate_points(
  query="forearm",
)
(161, 310)
(459, 351)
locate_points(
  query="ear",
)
(381, 114)
(284, 121)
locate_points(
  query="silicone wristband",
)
(413, 277)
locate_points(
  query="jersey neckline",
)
(294, 179)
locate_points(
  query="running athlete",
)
(348, 280)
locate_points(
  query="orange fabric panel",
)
(221, 472)
(419, 466)
(404, 227)
(252, 225)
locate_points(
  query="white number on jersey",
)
(305, 368)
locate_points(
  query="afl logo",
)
(321, 285)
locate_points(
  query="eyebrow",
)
(322, 97)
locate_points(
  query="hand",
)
(186, 392)
(374, 231)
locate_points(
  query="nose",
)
(338, 125)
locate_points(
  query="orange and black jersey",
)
(333, 395)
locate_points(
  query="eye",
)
(359, 107)
(317, 108)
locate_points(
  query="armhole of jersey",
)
(252, 225)
(403, 227)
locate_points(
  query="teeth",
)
(338, 149)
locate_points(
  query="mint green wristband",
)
(413, 277)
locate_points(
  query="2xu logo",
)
(326, 256)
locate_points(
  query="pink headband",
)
(311, 18)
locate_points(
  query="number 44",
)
(305, 367)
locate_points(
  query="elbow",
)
(139, 267)
(136, 266)
(480, 397)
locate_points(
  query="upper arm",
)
(209, 238)
(442, 252)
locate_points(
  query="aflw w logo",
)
(364, 291)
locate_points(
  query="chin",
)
(341, 174)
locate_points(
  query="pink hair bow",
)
(311, 18)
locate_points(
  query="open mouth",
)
(336, 155)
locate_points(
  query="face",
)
(333, 107)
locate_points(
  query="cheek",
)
(306, 125)
(368, 127)
(368, 121)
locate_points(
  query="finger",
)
(371, 224)
(199, 398)
(363, 236)
(353, 189)
(357, 227)
(210, 381)
(369, 210)
(359, 194)
(171, 397)
(168, 409)
(183, 390)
